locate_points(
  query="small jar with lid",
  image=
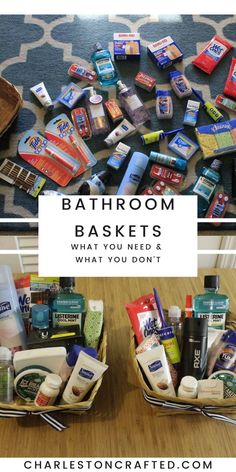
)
(48, 390)
(188, 387)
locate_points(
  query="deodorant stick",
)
(194, 348)
(133, 174)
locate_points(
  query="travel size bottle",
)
(104, 66)
(97, 113)
(68, 307)
(96, 185)
(211, 305)
(132, 104)
(6, 375)
(205, 186)
(164, 105)
(174, 320)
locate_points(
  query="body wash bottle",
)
(103, 65)
(132, 104)
(97, 114)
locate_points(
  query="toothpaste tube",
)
(230, 85)
(213, 53)
(166, 175)
(123, 129)
(144, 316)
(42, 95)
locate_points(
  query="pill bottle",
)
(48, 390)
(188, 387)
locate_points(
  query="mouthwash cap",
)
(66, 282)
(212, 281)
(163, 93)
(73, 354)
(195, 327)
(216, 164)
(40, 316)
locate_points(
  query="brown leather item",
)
(10, 104)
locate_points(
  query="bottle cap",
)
(174, 312)
(140, 159)
(121, 85)
(40, 316)
(189, 383)
(97, 46)
(95, 99)
(5, 354)
(53, 381)
(212, 281)
(163, 93)
(195, 327)
(188, 301)
(73, 354)
(216, 164)
(66, 282)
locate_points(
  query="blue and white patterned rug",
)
(41, 48)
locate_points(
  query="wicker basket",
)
(10, 104)
(163, 405)
(20, 409)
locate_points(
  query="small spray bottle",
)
(210, 109)
(156, 136)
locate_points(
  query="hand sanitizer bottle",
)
(211, 305)
(132, 104)
(205, 186)
(103, 65)
(97, 114)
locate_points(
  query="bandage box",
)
(126, 46)
(165, 52)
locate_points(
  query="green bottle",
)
(211, 304)
(68, 307)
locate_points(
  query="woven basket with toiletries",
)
(10, 104)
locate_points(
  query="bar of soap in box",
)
(165, 52)
(126, 46)
(93, 323)
(217, 139)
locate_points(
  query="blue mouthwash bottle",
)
(211, 304)
(205, 186)
(103, 65)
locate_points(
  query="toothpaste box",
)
(126, 46)
(165, 52)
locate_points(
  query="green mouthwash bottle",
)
(211, 304)
(104, 66)
(68, 307)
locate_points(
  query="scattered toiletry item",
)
(223, 354)
(211, 305)
(82, 73)
(218, 207)
(180, 84)
(210, 109)
(145, 81)
(96, 112)
(229, 381)
(114, 110)
(167, 175)
(6, 375)
(156, 136)
(211, 389)
(188, 387)
(175, 163)
(155, 367)
(191, 113)
(81, 122)
(194, 348)
(96, 185)
(226, 103)
(212, 54)
(164, 105)
(133, 174)
(126, 46)
(104, 66)
(161, 188)
(183, 146)
(85, 373)
(70, 95)
(205, 186)
(132, 104)
(230, 85)
(217, 139)
(124, 129)
(42, 95)
(165, 52)
(118, 156)
(48, 390)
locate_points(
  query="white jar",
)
(48, 390)
(188, 387)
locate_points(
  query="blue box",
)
(126, 46)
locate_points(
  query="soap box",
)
(126, 46)
(217, 139)
(183, 146)
(165, 52)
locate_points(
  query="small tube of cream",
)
(156, 369)
(86, 372)
(42, 95)
(123, 129)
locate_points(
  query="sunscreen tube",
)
(122, 130)
(133, 174)
(155, 367)
(42, 95)
(86, 372)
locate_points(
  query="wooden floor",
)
(120, 423)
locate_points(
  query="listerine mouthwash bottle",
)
(211, 304)
(103, 65)
(68, 307)
(205, 186)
